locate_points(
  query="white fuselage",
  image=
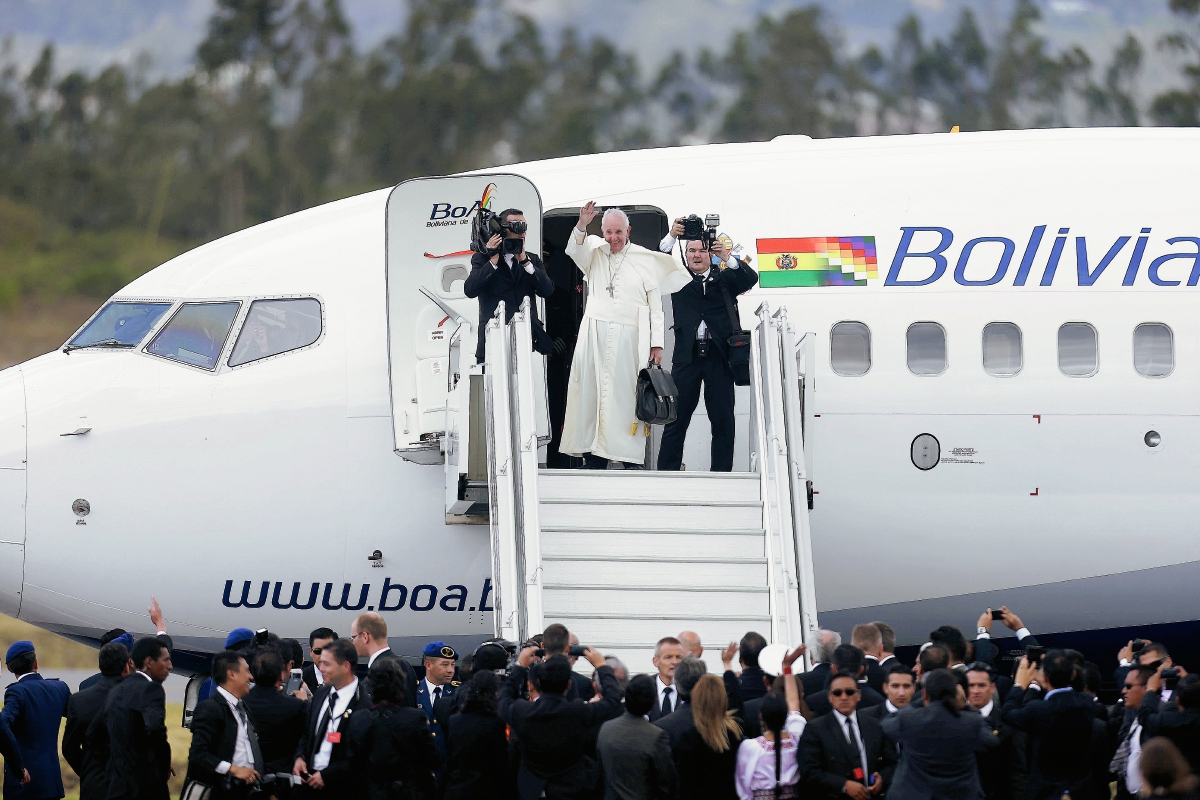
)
(281, 473)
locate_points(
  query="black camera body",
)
(703, 230)
(1137, 646)
(487, 224)
(1035, 653)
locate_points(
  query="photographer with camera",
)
(705, 317)
(502, 270)
(1178, 721)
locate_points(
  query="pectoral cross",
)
(611, 291)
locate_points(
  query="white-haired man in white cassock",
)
(621, 331)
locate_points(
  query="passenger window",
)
(120, 325)
(1002, 354)
(926, 348)
(196, 334)
(277, 326)
(1078, 350)
(1153, 350)
(850, 348)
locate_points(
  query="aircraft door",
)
(432, 324)
(12, 490)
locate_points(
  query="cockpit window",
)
(277, 326)
(120, 325)
(196, 334)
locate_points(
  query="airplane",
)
(999, 406)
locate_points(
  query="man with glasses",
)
(844, 753)
(1125, 763)
(847, 660)
(369, 634)
(317, 640)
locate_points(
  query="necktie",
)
(666, 703)
(251, 736)
(854, 743)
(323, 727)
(437, 694)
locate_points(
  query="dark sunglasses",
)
(316, 651)
(841, 692)
(1133, 685)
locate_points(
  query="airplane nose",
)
(12, 489)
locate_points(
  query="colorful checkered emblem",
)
(817, 261)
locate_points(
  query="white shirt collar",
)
(430, 686)
(26, 675)
(661, 686)
(853, 716)
(375, 655)
(987, 710)
(229, 698)
(144, 675)
(1053, 692)
(892, 709)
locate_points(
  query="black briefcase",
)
(657, 397)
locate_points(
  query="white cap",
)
(770, 660)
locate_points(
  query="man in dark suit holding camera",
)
(225, 753)
(704, 318)
(506, 272)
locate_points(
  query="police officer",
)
(703, 325)
(33, 709)
(436, 692)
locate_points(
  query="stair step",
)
(627, 632)
(579, 485)
(579, 600)
(635, 572)
(637, 658)
(651, 515)
(651, 543)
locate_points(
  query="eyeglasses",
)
(841, 692)
(355, 636)
(316, 651)
(1133, 685)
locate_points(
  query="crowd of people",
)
(524, 722)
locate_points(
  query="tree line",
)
(282, 112)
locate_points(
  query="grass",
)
(53, 651)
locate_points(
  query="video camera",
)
(487, 224)
(703, 230)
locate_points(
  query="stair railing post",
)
(798, 546)
(525, 457)
(506, 574)
(760, 351)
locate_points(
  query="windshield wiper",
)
(101, 343)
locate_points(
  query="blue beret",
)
(18, 649)
(125, 639)
(237, 636)
(440, 650)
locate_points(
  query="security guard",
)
(437, 690)
(704, 315)
(33, 709)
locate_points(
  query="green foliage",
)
(107, 175)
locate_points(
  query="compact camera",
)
(704, 230)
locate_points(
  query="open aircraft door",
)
(432, 324)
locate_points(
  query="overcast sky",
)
(91, 33)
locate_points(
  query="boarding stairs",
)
(625, 557)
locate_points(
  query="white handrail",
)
(525, 453)
(502, 495)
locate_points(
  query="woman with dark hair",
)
(391, 747)
(767, 766)
(1165, 772)
(938, 744)
(706, 757)
(477, 743)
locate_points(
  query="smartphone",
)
(294, 681)
(576, 651)
(1034, 653)
(997, 615)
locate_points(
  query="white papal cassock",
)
(622, 321)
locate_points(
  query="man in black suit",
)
(1178, 721)
(705, 316)
(751, 682)
(135, 713)
(323, 756)
(820, 652)
(89, 756)
(553, 731)
(668, 652)
(898, 692)
(998, 765)
(316, 640)
(278, 718)
(868, 639)
(847, 660)
(636, 755)
(369, 634)
(844, 753)
(889, 643)
(556, 640)
(225, 754)
(506, 272)
(687, 673)
(1059, 725)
